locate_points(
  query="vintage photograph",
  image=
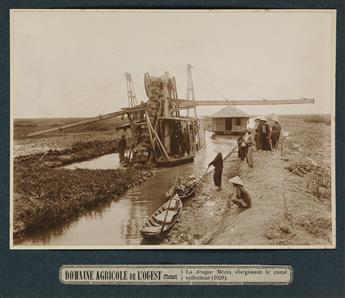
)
(153, 129)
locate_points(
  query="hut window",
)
(238, 121)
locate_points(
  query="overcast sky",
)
(71, 63)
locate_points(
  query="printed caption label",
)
(176, 274)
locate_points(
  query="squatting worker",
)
(218, 170)
(122, 147)
(242, 198)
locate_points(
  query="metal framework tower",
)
(190, 88)
(132, 99)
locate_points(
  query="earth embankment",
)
(291, 194)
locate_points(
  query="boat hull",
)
(155, 230)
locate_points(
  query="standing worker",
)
(218, 170)
(266, 136)
(185, 141)
(260, 141)
(242, 198)
(250, 150)
(276, 129)
(241, 147)
(256, 130)
(122, 148)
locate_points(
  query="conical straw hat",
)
(236, 180)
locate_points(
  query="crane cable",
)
(207, 80)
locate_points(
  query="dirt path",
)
(287, 208)
(242, 226)
(209, 208)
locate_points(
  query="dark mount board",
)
(34, 273)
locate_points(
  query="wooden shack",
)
(229, 120)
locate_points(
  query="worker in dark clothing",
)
(218, 170)
(241, 147)
(266, 136)
(259, 141)
(122, 148)
(256, 127)
(179, 139)
(173, 143)
(276, 129)
(242, 198)
(185, 142)
(249, 149)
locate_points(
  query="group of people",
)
(141, 152)
(245, 144)
(266, 135)
(242, 198)
(266, 138)
(180, 140)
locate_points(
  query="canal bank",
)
(209, 208)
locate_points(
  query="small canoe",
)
(159, 224)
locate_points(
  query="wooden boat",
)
(183, 194)
(160, 223)
(189, 191)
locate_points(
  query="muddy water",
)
(118, 223)
(108, 161)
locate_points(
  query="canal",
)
(118, 222)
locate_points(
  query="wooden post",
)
(160, 143)
(156, 135)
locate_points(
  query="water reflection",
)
(108, 161)
(118, 222)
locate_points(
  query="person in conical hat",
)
(242, 198)
(236, 180)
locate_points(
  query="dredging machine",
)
(162, 130)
